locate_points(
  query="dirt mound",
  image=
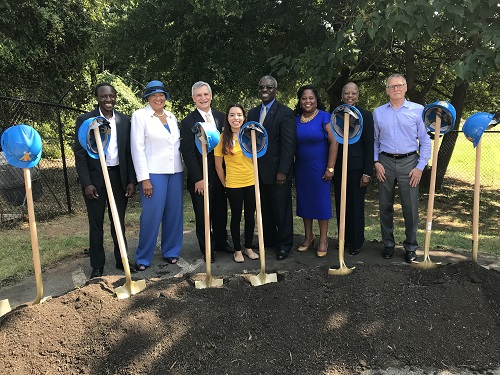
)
(378, 317)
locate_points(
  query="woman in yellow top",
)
(238, 179)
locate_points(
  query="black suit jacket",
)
(191, 155)
(281, 134)
(360, 154)
(89, 169)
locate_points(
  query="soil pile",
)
(378, 317)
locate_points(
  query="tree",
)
(46, 46)
(440, 46)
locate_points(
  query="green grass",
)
(452, 220)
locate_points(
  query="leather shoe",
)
(282, 254)
(119, 266)
(354, 251)
(410, 256)
(388, 252)
(96, 272)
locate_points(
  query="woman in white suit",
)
(155, 140)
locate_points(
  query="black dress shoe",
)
(119, 266)
(96, 272)
(410, 256)
(282, 254)
(388, 252)
(354, 251)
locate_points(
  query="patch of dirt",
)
(376, 318)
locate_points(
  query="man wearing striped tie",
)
(275, 167)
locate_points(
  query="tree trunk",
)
(335, 90)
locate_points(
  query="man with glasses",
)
(275, 167)
(402, 149)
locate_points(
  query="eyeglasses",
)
(398, 86)
(269, 87)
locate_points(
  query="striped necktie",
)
(263, 115)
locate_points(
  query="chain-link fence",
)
(55, 184)
(55, 187)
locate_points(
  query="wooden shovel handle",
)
(34, 236)
(114, 211)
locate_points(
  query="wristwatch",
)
(330, 170)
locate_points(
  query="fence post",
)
(63, 154)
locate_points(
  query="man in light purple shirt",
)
(402, 149)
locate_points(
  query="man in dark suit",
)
(202, 97)
(359, 172)
(275, 167)
(121, 174)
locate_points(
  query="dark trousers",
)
(95, 212)
(277, 215)
(218, 217)
(237, 198)
(355, 207)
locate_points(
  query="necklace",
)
(307, 119)
(157, 115)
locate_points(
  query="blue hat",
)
(22, 146)
(245, 139)
(477, 123)
(86, 135)
(355, 123)
(153, 87)
(447, 113)
(211, 132)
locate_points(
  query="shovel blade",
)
(128, 290)
(4, 307)
(343, 270)
(263, 278)
(209, 282)
(426, 264)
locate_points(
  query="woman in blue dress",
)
(315, 157)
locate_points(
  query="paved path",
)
(74, 273)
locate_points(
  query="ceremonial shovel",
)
(209, 281)
(343, 270)
(427, 263)
(262, 277)
(130, 287)
(4, 304)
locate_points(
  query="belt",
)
(398, 156)
(113, 167)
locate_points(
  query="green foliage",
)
(44, 46)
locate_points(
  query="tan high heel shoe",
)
(303, 247)
(322, 249)
(251, 254)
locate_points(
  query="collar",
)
(204, 114)
(268, 105)
(112, 117)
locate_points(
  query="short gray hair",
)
(199, 84)
(395, 75)
(275, 83)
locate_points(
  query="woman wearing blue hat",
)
(238, 179)
(155, 141)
